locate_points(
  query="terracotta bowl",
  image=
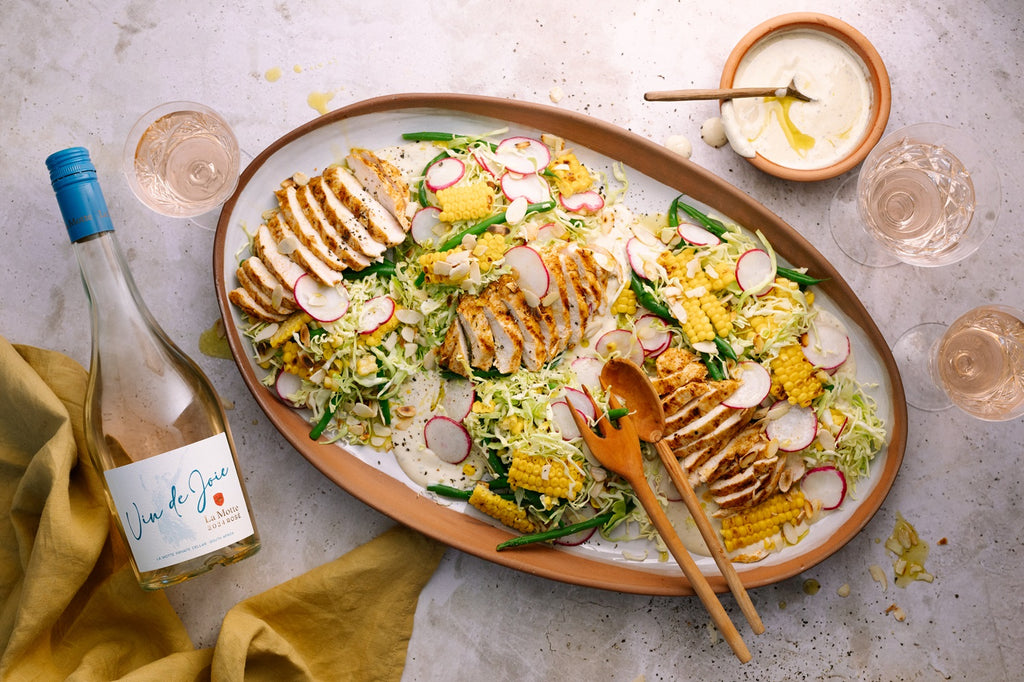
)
(881, 99)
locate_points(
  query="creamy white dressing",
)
(791, 133)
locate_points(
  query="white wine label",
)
(180, 505)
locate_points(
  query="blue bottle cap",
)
(79, 196)
(68, 162)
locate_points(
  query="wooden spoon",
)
(724, 93)
(627, 380)
(618, 450)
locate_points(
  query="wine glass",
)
(976, 363)
(926, 195)
(182, 160)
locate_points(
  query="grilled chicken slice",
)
(477, 328)
(350, 229)
(381, 225)
(508, 340)
(454, 353)
(292, 214)
(590, 275)
(281, 266)
(264, 288)
(738, 447)
(383, 181)
(527, 318)
(684, 416)
(335, 241)
(283, 235)
(716, 429)
(244, 300)
(564, 305)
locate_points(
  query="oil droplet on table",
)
(319, 100)
(214, 343)
(811, 586)
(272, 74)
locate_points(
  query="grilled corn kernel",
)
(762, 521)
(545, 475)
(571, 176)
(376, 337)
(289, 327)
(497, 507)
(625, 303)
(464, 202)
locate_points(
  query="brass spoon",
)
(724, 93)
(627, 380)
(618, 450)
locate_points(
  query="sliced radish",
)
(529, 267)
(755, 272)
(653, 334)
(697, 235)
(486, 164)
(522, 155)
(561, 413)
(582, 536)
(826, 347)
(791, 426)
(643, 258)
(447, 438)
(588, 372)
(621, 342)
(531, 187)
(583, 201)
(547, 232)
(581, 402)
(755, 383)
(286, 385)
(423, 224)
(375, 313)
(827, 484)
(444, 173)
(321, 302)
(458, 398)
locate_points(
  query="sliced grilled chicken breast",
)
(453, 353)
(349, 228)
(477, 329)
(244, 300)
(334, 240)
(283, 235)
(383, 181)
(291, 213)
(381, 225)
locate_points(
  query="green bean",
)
(384, 268)
(802, 279)
(645, 296)
(432, 136)
(617, 413)
(448, 491)
(496, 219)
(714, 365)
(325, 419)
(715, 227)
(556, 533)
(421, 194)
(725, 348)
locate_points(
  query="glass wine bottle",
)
(153, 423)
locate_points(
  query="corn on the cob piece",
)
(497, 507)
(625, 303)
(797, 377)
(457, 264)
(289, 327)
(464, 202)
(571, 176)
(544, 475)
(489, 248)
(761, 521)
(706, 315)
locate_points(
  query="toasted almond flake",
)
(266, 332)
(356, 429)
(785, 480)
(268, 214)
(287, 246)
(382, 430)
(897, 613)
(516, 211)
(878, 575)
(300, 179)
(459, 271)
(408, 316)
(790, 533)
(410, 349)
(442, 268)
(844, 590)
(469, 242)
(531, 299)
(402, 424)
(406, 411)
(378, 441)
(363, 410)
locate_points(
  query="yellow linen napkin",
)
(70, 607)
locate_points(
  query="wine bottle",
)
(153, 423)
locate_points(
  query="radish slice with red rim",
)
(755, 271)
(458, 398)
(755, 383)
(578, 538)
(621, 342)
(529, 267)
(653, 334)
(697, 235)
(444, 173)
(531, 187)
(423, 224)
(522, 154)
(286, 385)
(375, 313)
(588, 372)
(447, 438)
(582, 201)
(486, 164)
(643, 258)
(791, 426)
(319, 301)
(825, 483)
(826, 346)
(562, 419)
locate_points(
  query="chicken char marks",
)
(717, 445)
(341, 220)
(498, 329)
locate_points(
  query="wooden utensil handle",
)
(697, 580)
(707, 93)
(711, 539)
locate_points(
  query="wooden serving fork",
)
(618, 450)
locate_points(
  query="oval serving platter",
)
(656, 175)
